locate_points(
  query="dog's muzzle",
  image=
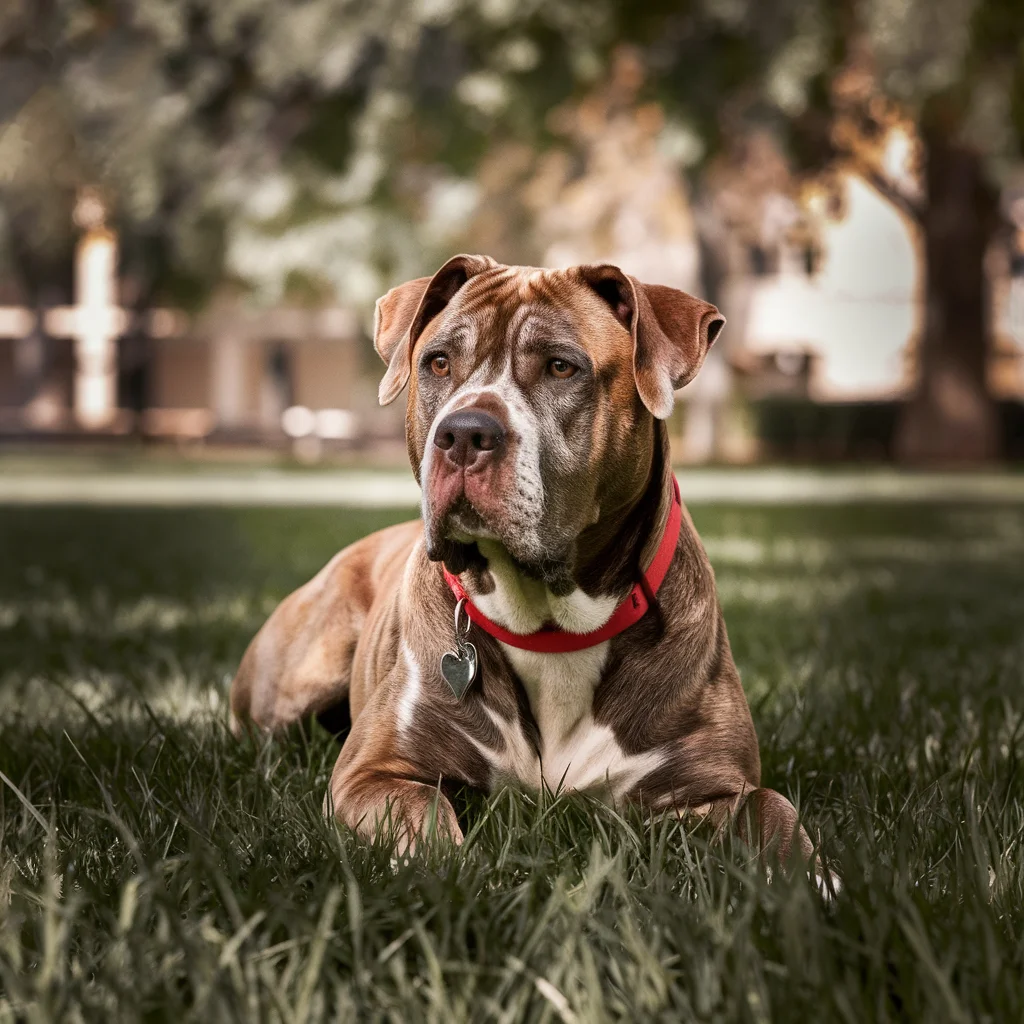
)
(470, 478)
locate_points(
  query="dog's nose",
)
(469, 434)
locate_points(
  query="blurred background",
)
(200, 201)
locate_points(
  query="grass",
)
(153, 868)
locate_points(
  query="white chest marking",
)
(576, 753)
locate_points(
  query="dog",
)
(552, 621)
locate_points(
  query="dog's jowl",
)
(554, 542)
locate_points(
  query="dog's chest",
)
(575, 752)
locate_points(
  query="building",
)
(234, 372)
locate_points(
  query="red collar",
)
(551, 640)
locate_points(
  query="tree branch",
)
(908, 205)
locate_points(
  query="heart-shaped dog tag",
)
(459, 669)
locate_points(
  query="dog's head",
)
(532, 398)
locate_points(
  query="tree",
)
(833, 78)
(266, 145)
(179, 110)
(268, 141)
(957, 68)
(221, 127)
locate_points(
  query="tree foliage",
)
(329, 146)
(217, 127)
(325, 143)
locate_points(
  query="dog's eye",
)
(561, 369)
(439, 366)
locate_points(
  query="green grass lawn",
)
(152, 867)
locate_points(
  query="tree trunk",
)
(952, 417)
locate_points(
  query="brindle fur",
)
(372, 626)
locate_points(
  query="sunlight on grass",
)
(150, 864)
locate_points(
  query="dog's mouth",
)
(466, 523)
(456, 528)
(464, 538)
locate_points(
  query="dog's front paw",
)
(405, 814)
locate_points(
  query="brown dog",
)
(535, 426)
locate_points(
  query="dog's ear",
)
(672, 332)
(401, 315)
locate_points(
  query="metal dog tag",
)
(459, 667)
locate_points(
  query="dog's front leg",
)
(375, 790)
(768, 822)
(765, 821)
(376, 803)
